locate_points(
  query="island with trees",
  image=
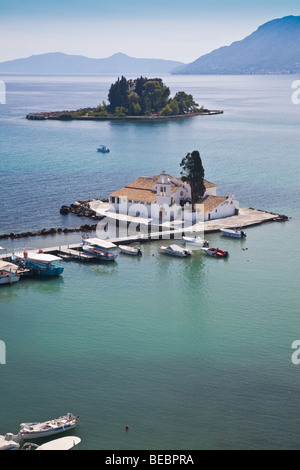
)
(137, 99)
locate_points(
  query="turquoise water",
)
(193, 353)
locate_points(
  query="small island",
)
(139, 99)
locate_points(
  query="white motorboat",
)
(196, 241)
(101, 249)
(176, 250)
(48, 428)
(233, 232)
(63, 443)
(9, 442)
(130, 250)
(8, 273)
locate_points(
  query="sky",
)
(181, 30)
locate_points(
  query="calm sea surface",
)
(190, 354)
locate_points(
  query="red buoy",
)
(127, 427)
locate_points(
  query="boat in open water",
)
(41, 264)
(176, 250)
(8, 273)
(47, 428)
(215, 252)
(233, 232)
(101, 249)
(103, 149)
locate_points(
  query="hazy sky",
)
(169, 29)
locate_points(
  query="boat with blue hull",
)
(41, 264)
(103, 149)
(8, 273)
(100, 249)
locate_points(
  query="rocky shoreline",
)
(68, 116)
(79, 208)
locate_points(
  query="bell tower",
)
(163, 189)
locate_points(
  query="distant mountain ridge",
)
(274, 48)
(60, 63)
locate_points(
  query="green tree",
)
(171, 109)
(120, 111)
(138, 86)
(174, 106)
(166, 111)
(193, 173)
(186, 103)
(134, 108)
(118, 95)
(154, 96)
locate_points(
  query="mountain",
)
(273, 49)
(59, 63)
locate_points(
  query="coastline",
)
(62, 116)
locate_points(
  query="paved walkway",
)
(245, 218)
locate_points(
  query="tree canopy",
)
(143, 96)
(193, 173)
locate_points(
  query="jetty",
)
(245, 218)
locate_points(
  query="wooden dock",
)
(74, 254)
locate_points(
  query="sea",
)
(154, 352)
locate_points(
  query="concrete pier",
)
(245, 218)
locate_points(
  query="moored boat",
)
(9, 442)
(130, 250)
(176, 250)
(63, 443)
(101, 249)
(196, 241)
(216, 252)
(47, 428)
(233, 232)
(40, 263)
(8, 273)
